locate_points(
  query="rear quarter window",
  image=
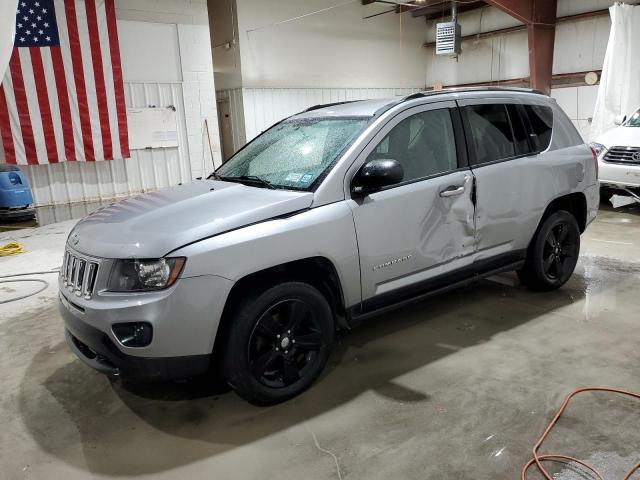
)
(491, 133)
(541, 122)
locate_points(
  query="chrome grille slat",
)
(623, 155)
(79, 274)
(90, 280)
(72, 276)
(67, 273)
(63, 270)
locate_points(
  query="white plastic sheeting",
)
(7, 31)
(619, 92)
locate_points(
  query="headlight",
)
(598, 147)
(137, 275)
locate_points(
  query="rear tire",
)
(553, 253)
(278, 342)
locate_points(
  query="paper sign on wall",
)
(152, 128)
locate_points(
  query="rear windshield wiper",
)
(248, 179)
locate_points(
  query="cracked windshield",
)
(292, 154)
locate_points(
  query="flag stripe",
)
(108, 77)
(90, 85)
(52, 95)
(96, 56)
(22, 108)
(33, 105)
(78, 77)
(16, 132)
(5, 129)
(48, 132)
(63, 102)
(67, 67)
(118, 84)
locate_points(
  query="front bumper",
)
(616, 175)
(96, 350)
(184, 318)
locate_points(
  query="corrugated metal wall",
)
(262, 107)
(71, 189)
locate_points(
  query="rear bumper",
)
(97, 350)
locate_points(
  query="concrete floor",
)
(457, 387)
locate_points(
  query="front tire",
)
(553, 253)
(278, 342)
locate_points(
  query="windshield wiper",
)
(250, 180)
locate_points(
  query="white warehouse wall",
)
(166, 60)
(335, 55)
(281, 47)
(289, 60)
(578, 103)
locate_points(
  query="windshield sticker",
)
(306, 178)
(293, 177)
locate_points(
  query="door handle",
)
(452, 191)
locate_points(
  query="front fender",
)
(327, 231)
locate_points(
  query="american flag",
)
(62, 96)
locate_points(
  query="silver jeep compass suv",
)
(331, 215)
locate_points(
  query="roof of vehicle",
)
(369, 108)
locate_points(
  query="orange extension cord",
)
(538, 459)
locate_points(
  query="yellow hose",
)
(11, 248)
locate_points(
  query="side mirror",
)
(377, 174)
(620, 119)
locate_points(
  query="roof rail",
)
(478, 88)
(325, 105)
(429, 93)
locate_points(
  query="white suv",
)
(619, 157)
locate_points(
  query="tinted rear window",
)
(520, 133)
(541, 120)
(491, 134)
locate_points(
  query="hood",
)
(152, 225)
(622, 136)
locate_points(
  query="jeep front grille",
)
(623, 155)
(79, 274)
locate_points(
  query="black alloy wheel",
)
(560, 248)
(277, 341)
(553, 252)
(284, 344)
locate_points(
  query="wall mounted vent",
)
(448, 39)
